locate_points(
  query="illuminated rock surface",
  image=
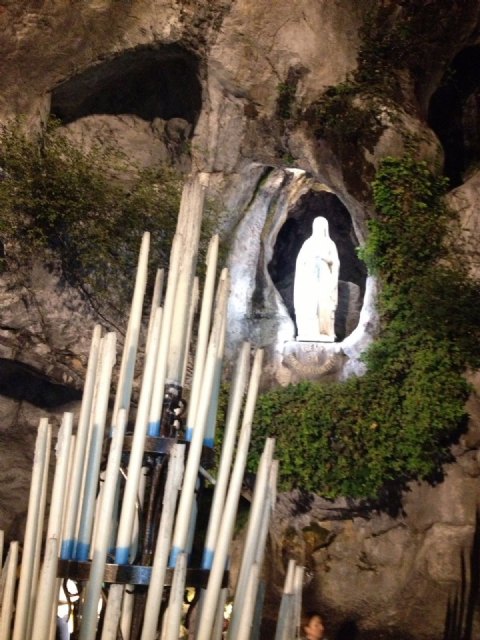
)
(200, 83)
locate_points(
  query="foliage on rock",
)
(398, 40)
(397, 421)
(71, 206)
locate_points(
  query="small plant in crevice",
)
(397, 421)
(287, 92)
(285, 100)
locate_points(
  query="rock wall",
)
(202, 83)
(389, 575)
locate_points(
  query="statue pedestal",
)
(310, 360)
(322, 337)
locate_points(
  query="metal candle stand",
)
(138, 574)
(87, 497)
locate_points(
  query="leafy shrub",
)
(55, 198)
(397, 421)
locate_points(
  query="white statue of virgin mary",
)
(315, 290)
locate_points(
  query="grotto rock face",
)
(214, 86)
(465, 200)
(266, 242)
(44, 343)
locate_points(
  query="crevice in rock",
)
(296, 229)
(454, 115)
(147, 82)
(24, 383)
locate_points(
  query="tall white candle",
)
(129, 355)
(125, 527)
(297, 604)
(161, 366)
(231, 505)
(215, 348)
(233, 413)
(249, 551)
(219, 616)
(285, 618)
(76, 475)
(270, 501)
(91, 435)
(100, 548)
(183, 520)
(156, 302)
(284, 629)
(57, 500)
(47, 594)
(162, 548)
(257, 615)
(10, 567)
(191, 315)
(28, 556)
(288, 586)
(66, 502)
(40, 525)
(139, 506)
(209, 437)
(203, 330)
(146, 393)
(82, 547)
(175, 602)
(126, 615)
(189, 222)
(245, 626)
(124, 537)
(112, 612)
(68, 488)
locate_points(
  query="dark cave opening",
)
(22, 382)
(353, 273)
(146, 82)
(454, 115)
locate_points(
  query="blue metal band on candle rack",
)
(189, 434)
(162, 446)
(153, 444)
(208, 442)
(132, 574)
(82, 549)
(66, 552)
(207, 558)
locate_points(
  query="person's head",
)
(314, 626)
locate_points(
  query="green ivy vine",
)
(397, 422)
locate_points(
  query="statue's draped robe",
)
(315, 293)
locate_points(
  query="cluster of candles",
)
(91, 521)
